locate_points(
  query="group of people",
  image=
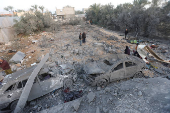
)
(82, 38)
(135, 53)
(5, 66)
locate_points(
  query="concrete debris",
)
(32, 51)
(91, 96)
(97, 110)
(148, 73)
(33, 103)
(105, 110)
(76, 104)
(12, 51)
(123, 96)
(140, 93)
(107, 89)
(33, 64)
(34, 41)
(17, 57)
(98, 88)
(43, 71)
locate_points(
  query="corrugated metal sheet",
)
(6, 30)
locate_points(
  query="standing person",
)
(84, 37)
(80, 38)
(126, 32)
(127, 50)
(5, 66)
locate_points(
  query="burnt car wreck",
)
(49, 78)
(119, 67)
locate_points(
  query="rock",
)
(52, 64)
(34, 41)
(39, 108)
(32, 103)
(107, 89)
(43, 70)
(97, 110)
(105, 110)
(33, 64)
(32, 51)
(17, 57)
(98, 88)
(76, 104)
(13, 67)
(19, 69)
(140, 93)
(18, 65)
(91, 96)
(2, 73)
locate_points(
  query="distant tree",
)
(42, 8)
(9, 8)
(93, 13)
(34, 7)
(155, 3)
(141, 3)
(79, 12)
(30, 23)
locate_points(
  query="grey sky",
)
(52, 4)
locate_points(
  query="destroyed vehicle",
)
(49, 78)
(102, 72)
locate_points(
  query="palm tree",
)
(35, 7)
(95, 8)
(42, 8)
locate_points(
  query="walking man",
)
(84, 37)
(80, 38)
(5, 66)
(126, 32)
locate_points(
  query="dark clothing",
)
(80, 37)
(136, 54)
(4, 65)
(126, 32)
(127, 50)
(84, 37)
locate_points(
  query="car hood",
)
(93, 68)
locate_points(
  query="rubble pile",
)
(64, 48)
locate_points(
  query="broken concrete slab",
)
(43, 71)
(97, 110)
(76, 104)
(26, 91)
(91, 96)
(17, 57)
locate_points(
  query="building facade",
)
(66, 13)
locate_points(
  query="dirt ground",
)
(64, 46)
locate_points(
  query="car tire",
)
(13, 105)
(138, 75)
(68, 83)
(102, 82)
